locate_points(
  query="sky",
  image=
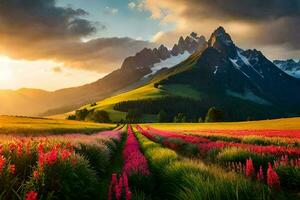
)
(50, 44)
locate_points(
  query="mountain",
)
(289, 66)
(131, 75)
(153, 60)
(224, 67)
(242, 83)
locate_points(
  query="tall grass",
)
(181, 178)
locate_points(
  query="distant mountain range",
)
(28, 101)
(290, 67)
(242, 83)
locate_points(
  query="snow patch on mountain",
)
(237, 66)
(216, 70)
(168, 63)
(291, 67)
(246, 62)
(249, 95)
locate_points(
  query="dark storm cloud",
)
(39, 29)
(42, 19)
(257, 10)
(252, 23)
(275, 22)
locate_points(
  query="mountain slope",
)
(243, 83)
(131, 75)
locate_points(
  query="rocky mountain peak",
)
(222, 41)
(146, 58)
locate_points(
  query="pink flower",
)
(134, 160)
(31, 195)
(249, 168)
(272, 177)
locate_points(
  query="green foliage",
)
(171, 105)
(71, 117)
(234, 154)
(180, 118)
(81, 114)
(162, 116)
(200, 120)
(93, 104)
(66, 180)
(133, 116)
(97, 154)
(289, 176)
(99, 116)
(214, 115)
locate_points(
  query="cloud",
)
(39, 29)
(111, 11)
(131, 5)
(57, 69)
(252, 23)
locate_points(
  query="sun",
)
(5, 71)
(5, 75)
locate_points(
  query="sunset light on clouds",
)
(96, 37)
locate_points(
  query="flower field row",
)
(206, 145)
(234, 156)
(135, 172)
(181, 178)
(290, 138)
(261, 137)
(294, 134)
(47, 167)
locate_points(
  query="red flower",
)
(31, 195)
(2, 162)
(19, 149)
(36, 174)
(12, 169)
(51, 157)
(272, 177)
(65, 154)
(249, 168)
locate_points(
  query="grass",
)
(32, 126)
(275, 124)
(181, 178)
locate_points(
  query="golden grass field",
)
(31, 125)
(275, 124)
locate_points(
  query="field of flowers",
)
(141, 162)
(55, 167)
(276, 166)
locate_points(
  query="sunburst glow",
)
(6, 74)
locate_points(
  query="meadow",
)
(154, 161)
(36, 126)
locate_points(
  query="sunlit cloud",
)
(252, 23)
